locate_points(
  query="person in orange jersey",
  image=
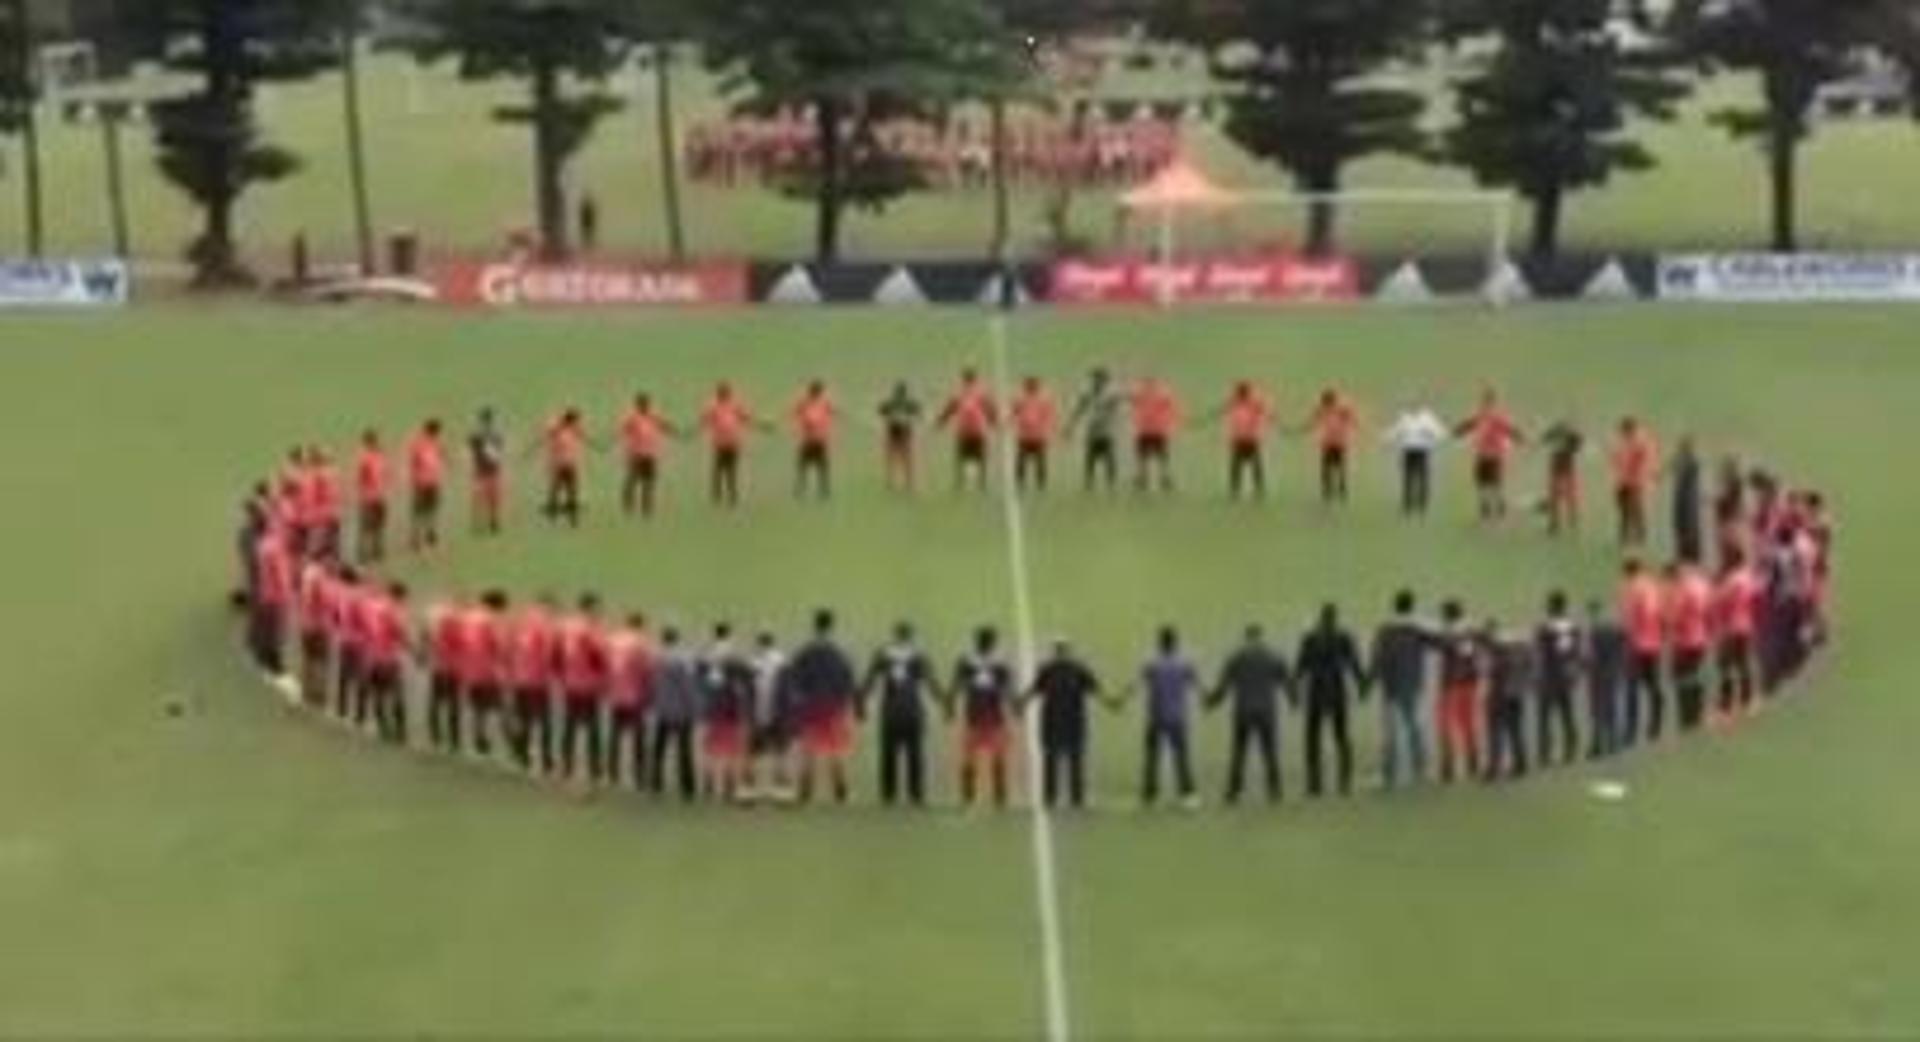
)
(1156, 415)
(814, 419)
(1636, 461)
(1643, 610)
(1334, 423)
(973, 416)
(1036, 421)
(643, 437)
(1494, 436)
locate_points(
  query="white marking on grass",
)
(1046, 885)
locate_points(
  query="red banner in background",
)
(1270, 278)
(506, 284)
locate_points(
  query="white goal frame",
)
(1498, 205)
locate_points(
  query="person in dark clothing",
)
(1399, 666)
(903, 674)
(675, 687)
(1510, 678)
(589, 223)
(1063, 686)
(1253, 679)
(1689, 540)
(1559, 647)
(1329, 670)
(1607, 659)
(823, 686)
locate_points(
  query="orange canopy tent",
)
(1178, 186)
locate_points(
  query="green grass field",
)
(244, 872)
(441, 166)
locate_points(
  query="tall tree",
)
(855, 65)
(19, 98)
(1547, 111)
(1795, 47)
(660, 28)
(563, 50)
(350, 23)
(208, 143)
(1303, 83)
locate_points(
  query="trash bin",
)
(403, 253)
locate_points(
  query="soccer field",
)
(244, 871)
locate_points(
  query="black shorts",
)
(971, 448)
(567, 475)
(1489, 471)
(426, 500)
(1333, 457)
(1151, 446)
(813, 453)
(771, 739)
(899, 441)
(1100, 449)
(1033, 449)
(532, 699)
(1735, 652)
(314, 645)
(642, 469)
(384, 678)
(373, 514)
(726, 459)
(583, 703)
(485, 696)
(1245, 452)
(1687, 662)
(444, 687)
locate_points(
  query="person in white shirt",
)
(1417, 433)
(769, 777)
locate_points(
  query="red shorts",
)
(1460, 715)
(828, 736)
(983, 741)
(724, 740)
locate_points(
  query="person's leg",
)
(683, 752)
(1391, 739)
(1415, 729)
(1343, 748)
(1182, 761)
(1077, 771)
(892, 756)
(520, 729)
(1316, 727)
(1237, 759)
(914, 744)
(1150, 766)
(1267, 742)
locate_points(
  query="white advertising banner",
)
(1790, 277)
(63, 283)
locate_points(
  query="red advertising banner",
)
(1266, 278)
(506, 284)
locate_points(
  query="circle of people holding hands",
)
(578, 693)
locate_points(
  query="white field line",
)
(1045, 880)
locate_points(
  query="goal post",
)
(1448, 217)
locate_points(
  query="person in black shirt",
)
(1509, 679)
(1063, 686)
(983, 683)
(1689, 498)
(1560, 648)
(1253, 678)
(1329, 669)
(903, 675)
(487, 448)
(1564, 443)
(1607, 656)
(823, 686)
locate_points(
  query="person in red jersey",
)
(487, 456)
(1730, 511)
(1644, 612)
(900, 414)
(488, 656)
(1335, 422)
(814, 418)
(1690, 624)
(321, 496)
(1564, 442)
(1636, 459)
(1736, 609)
(643, 436)
(370, 489)
(317, 593)
(1036, 420)
(273, 565)
(973, 416)
(1249, 416)
(1493, 436)
(823, 693)
(388, 645)
(630, 665)
(350, 661)
(535, 658)
(586, 673)
(426, 475)
(565, 445)
(1463, 674)
(727, 421)
(450, 632)
(1156, 414)
(1819, 548)
(984, 682)
(362, 610)
(726, 684)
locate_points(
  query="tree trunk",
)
(549, 187)
(1002, 207)
(826, 247)
(669, 151)
(112, 116)
(356, 144)
(1323, 213)
(1783, 147)
(1548, 204)
(1060, 206)
(33, 200)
